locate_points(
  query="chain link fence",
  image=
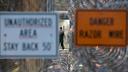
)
(99, 59)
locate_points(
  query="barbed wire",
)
(114, 59)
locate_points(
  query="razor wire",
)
(98, 58)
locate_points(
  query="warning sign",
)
(28, 35)
(100, 27)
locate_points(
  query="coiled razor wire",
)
(99, 58)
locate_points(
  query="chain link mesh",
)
(98, 58)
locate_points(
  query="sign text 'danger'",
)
(100, 27)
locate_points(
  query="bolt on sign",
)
(28, 35)
(100, 28)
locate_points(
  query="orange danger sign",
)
(100, 27)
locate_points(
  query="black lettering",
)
(101, 21)
(116, 34)
(28, 33)
(8, 22)
(46, 46)
(28, 22)
(30, 46)
(93, 21)
(34, 33)
(8, 46)
(90, 34)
